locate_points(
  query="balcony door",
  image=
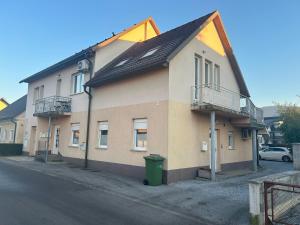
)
(197, 79)
(55, 149)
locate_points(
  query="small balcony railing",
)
(225, 99)
(52, 106)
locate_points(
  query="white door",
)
(55, 149)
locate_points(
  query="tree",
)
(290, 127)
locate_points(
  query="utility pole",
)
(213, 145)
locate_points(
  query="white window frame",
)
(75, 85)
(36, 94)
(139, 124)
(102, 126)
(217, 77)
(75, 127)
(197, 76)
(11, 135)
(230, 135)
(121, 63)
(1, 134)
(208, 77)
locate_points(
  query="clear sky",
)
(265, 36)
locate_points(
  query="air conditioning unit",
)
(246, 133)
(83, 66)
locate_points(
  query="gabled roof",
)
(14, 109)
(168, 44)
(85, 53)
(3, 100)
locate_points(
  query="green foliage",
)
(290, 127)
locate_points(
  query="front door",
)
(55, 148)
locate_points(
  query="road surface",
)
(29, 197)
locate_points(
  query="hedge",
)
(10, 149)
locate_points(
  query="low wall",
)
(10, 149)
(256, 193)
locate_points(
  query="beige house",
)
(147, 93)
(12, 122)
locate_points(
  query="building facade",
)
(147, 93)
(12, 122)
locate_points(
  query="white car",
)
(276, 153)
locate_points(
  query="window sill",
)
(74, 94)
(74, 146)
(231, 149)
(102, 148)
(138, 150)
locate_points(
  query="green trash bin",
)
(154, 169)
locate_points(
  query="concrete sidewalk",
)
(221, 202)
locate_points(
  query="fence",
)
(10, 149)
(282, 203)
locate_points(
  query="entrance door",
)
(55, 148)
(32, 141)
(217, 150)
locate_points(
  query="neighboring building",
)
(272, 121)
(3, 103)
(12, 122)
(157, 96)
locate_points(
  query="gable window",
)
(140, 134)
(77, 83)
(208, 73)
(217, 77)
(198, 61)
(75, 134)
(103, 134)
(230, 140)
(150, 52)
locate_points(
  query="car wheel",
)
(286, 159)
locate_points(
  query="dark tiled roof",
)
(14, 109)
(165, 44)
(60, 65)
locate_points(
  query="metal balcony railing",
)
(54, 105)
(227, 99)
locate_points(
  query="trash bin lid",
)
(154, 157)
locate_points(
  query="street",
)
(31, 198)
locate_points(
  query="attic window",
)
(150, 52)
(121, 63)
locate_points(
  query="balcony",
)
(54, 106)
(225, 102)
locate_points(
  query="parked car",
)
(276, 153)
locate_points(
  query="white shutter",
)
(140, 124)
(76, 126)
(103, 126)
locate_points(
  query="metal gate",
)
(282, 203)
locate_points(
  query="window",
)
(77, 83)
(11, 135)
(197, 76)
(103, 134)
(230, 140)
(41, 95)
(36, 94)
(208, 73)
(121, 63)
(58, 87)
(140, 134)
(150, 52)
(217, 77)
(75, 134)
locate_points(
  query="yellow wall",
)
(141, 33)
(210, 37)
(2, 104)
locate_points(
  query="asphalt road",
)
(28, 197)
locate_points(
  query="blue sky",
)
(264, 34)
